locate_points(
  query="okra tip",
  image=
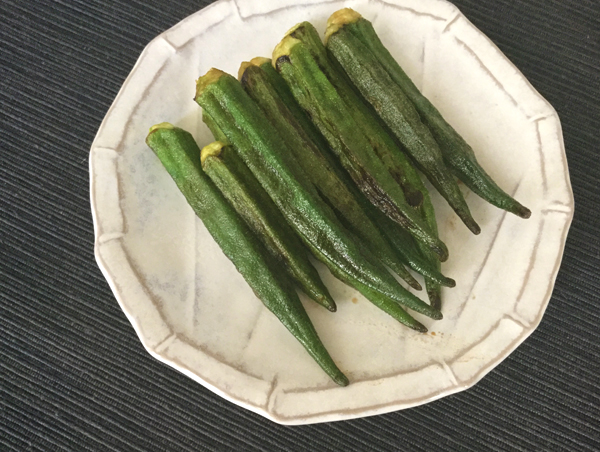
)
(418, 327)
(521, 211)
(210, 150)
(340, 379)
(340, 18)
(448, 282)
(329, 305)
(471, 224)
(441, 250)
(412, 282)
(283, 49)
(436, 314)
(207, 79)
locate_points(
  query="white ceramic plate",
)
(193, 311)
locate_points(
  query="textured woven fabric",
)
(73, 374)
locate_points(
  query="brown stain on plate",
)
(451, 223)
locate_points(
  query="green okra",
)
(391, 156)
(214, 129)
(398, 113)
(180, 155)
(457, 153)
(400, 239)
(313, 161)
(264, 152)
(231, 176)
(432, 286)
(306, 125)
(415, 254)
(416, 257)
(283, 92)
(352, 205)
(330, 113)
(411, 252)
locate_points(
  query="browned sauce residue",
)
(354, 300)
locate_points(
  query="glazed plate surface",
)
(193, 311)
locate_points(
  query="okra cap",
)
(211, 150)
(256, 61)
(212, 76)
(294, 28)
(340, 18)
(162, 125)
(283, 49)
(157, 127)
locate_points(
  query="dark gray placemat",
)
(74, 376)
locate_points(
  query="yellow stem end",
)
(207, 79)
(256, 61)
(340, 18)
(162, 125)
(283, 48)
(211, 150)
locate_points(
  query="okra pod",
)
(242, 190)
(276, 81)
(457, 153)
(313, 161)
(341, 194)
(432, 286)
(398, 113)
(212, 126)
(330, 114)
(180, 155)
(264, 152)
(388, 151)
(415, 254)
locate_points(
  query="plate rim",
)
(154, 349)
